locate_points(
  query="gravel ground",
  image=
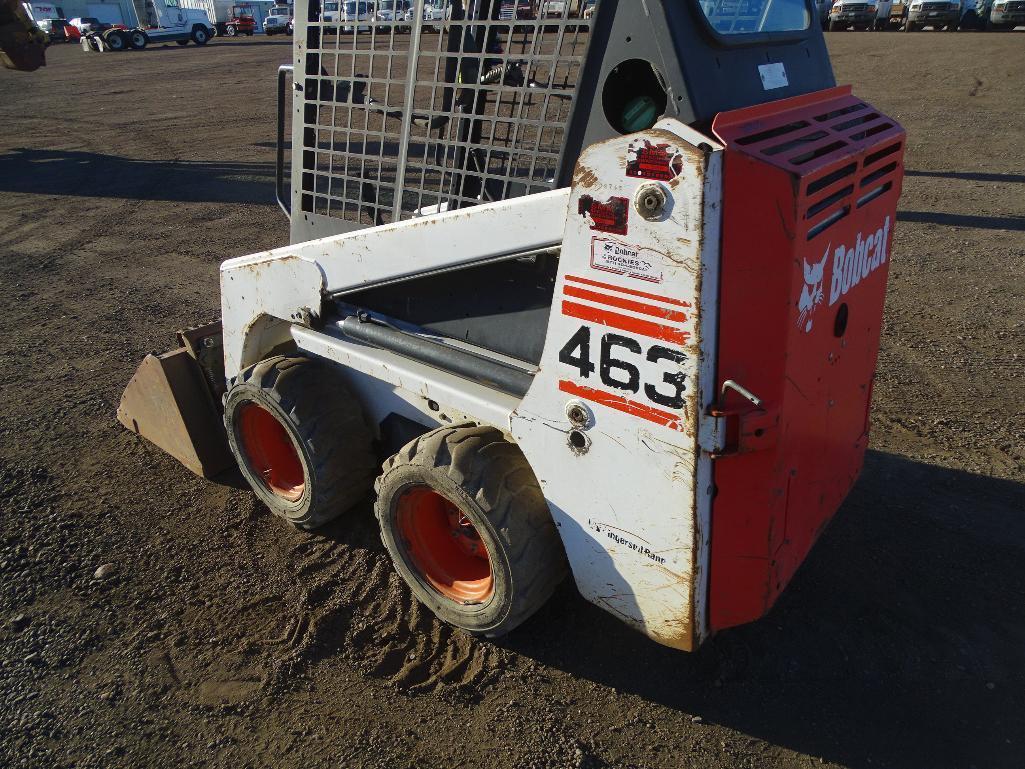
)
(150, 618)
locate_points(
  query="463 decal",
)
(624, 364)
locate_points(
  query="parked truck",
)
(229, 19)
(279, 20)
(167, 21)
(938, 14)
(859, 14)
(1006, 14)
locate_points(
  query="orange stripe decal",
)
(625, 322)
(631, 291)
(625, 304)
(627, 406)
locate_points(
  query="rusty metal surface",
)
(168, 403)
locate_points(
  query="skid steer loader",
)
(604, 295)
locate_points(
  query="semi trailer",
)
(168, 21)
(597, 297)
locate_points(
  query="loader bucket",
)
(169, 403)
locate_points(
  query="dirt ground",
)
(224, 638)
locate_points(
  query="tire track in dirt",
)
(351, 602)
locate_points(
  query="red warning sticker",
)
(660, 162)
(610, 216)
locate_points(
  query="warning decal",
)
(660, 162)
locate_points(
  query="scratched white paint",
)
(286, 281)
(633, 509)
(629, 509)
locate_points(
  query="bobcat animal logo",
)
(812, 293)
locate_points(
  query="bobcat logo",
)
(811, 294)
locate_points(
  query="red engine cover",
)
(810, 199)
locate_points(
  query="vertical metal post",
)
(407, 109)
(279, 166)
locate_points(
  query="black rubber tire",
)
(182, 42)
(200, 36)
(489, 480)
(116, 40)
(230, 31)
(327, 428)
(137, 39)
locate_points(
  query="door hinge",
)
(727, 431)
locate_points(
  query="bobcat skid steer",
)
(604, 295)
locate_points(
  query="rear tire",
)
(137, 39)
(300, 439)
(116, 40)
(182, 42)
(468, 529)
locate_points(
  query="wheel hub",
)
(270, 453)
(442, 543)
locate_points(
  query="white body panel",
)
(632, 496)
(633, 505)
(407, 381)
(288, 281)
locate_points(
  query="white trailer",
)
(40, 12)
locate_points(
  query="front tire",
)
(200, 36)
(468, 529)
(300, 439)
(230, 30)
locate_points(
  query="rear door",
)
(170, 14)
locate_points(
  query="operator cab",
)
(693, 59)
(501, 110)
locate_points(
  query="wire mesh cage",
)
(410, 109)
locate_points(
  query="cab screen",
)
(742, 17)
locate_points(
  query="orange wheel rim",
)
(444, 546)
(270, 453)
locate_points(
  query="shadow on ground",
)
(1016, 223)
(90, 174)
(901, 641)
(971, 176)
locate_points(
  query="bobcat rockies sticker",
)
(623, 259)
